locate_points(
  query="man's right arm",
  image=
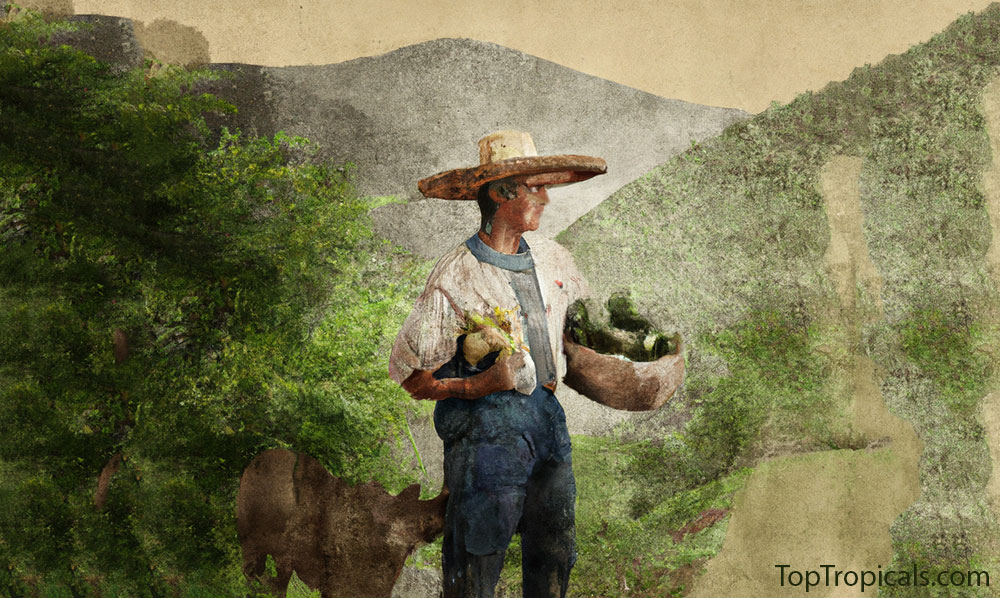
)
(422, 384)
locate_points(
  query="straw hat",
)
(510, 153)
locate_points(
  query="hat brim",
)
(464, 183)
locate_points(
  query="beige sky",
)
(734, 53)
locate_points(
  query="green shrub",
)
(945, 348)
(180, 297)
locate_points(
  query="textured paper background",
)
(733, 53)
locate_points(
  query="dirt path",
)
(991, 188)
(991, 421)
(835, 507)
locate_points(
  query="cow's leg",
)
(284, 575)
(254, 564)
(547, 531)
(254, 568)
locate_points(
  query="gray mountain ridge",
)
(413, 112)
(419, 110)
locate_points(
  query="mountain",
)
(419, 110)
(833, 265)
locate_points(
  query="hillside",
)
(833, 266)
(418, 110)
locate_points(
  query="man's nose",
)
(542, 196)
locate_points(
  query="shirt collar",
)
(517, 262)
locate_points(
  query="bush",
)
(177, 297)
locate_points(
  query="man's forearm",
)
(421, 384)
(619, 384)
(473, 387)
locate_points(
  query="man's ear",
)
(504, 191)
(494, 192)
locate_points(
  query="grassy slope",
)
(617, 551)
(727, 242)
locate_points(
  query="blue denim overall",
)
(507, 464)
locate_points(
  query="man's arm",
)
(421, 384)
(620, 384)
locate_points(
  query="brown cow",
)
(343, 540)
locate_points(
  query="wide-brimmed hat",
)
(510, 153)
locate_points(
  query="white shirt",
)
(461, 283)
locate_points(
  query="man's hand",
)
(502, 372)
(619, 384)
(422, 385)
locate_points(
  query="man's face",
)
(524, 212)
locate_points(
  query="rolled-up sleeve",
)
(428, 338)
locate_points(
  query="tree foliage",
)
(178, 297)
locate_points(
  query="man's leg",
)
(468, 575)
(548, 535)
(482, 513)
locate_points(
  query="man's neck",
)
(502, 239)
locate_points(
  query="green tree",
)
(173, 300)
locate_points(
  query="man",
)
(507, 449)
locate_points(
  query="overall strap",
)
(529, 296)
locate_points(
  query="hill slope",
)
(794, 309)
